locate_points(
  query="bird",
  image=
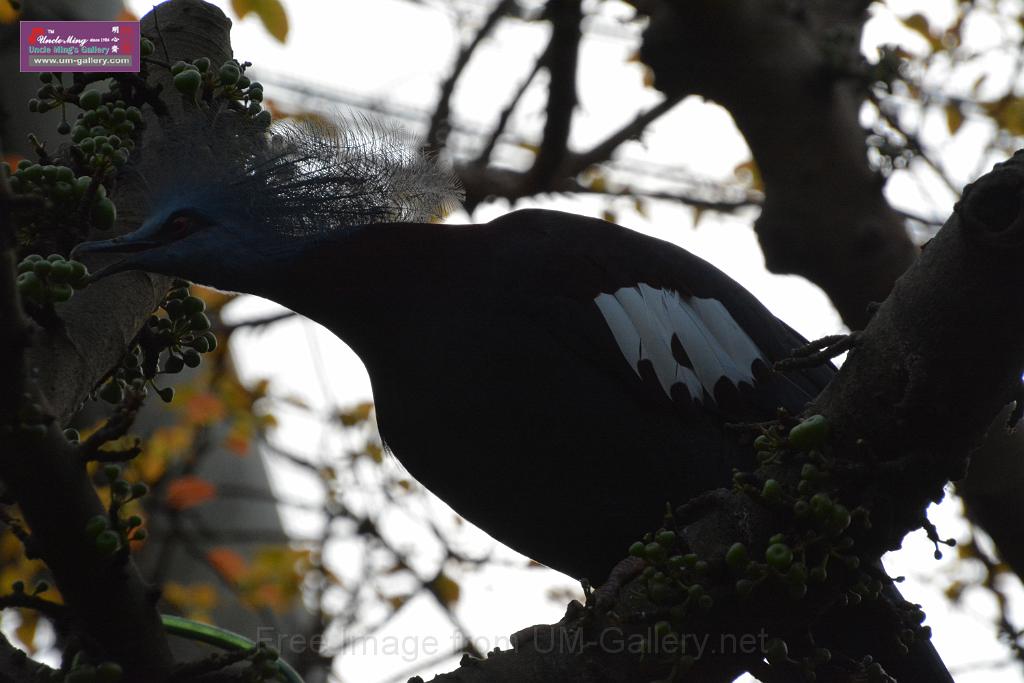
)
(556, 379)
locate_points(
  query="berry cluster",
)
(45, 282)
(111, 533)
(180, 336)
(103, 132)
(199, 81)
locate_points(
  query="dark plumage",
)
(556, 379)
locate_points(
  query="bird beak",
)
(125, 244)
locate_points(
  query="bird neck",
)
(362, 282)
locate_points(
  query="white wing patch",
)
(643, 320)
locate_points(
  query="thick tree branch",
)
(563, 55)
(824, 215)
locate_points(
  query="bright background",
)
(393, 54)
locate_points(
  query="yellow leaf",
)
(195, 600)
(8, 15)
(954, 117)
(189, 491)
(446, 590)
(1008, 112)
(26, 630)
(598, 183)
(608, 215)
(749, 173)
(355, 415)
(919, 24)
(640, 207)
(648, 78)
(698, 213)
(270, 12)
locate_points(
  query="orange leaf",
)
(227, 563)
(204, 409)
(189, 491)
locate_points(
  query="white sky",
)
(394, 50)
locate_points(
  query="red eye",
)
(180, 225)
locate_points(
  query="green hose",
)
(222, 638)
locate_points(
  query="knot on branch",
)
(991, 209)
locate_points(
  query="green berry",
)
(90, 99)
(810, 434)
(107, 542)
(262, 119)
(198, 322)
(96, 525)
(72, 435)
(202, 64)
(211, 341)
(139, 490)
(63, 128)
(59, 293)
(79, 274)
(191, 358)
(34, 173)
(229, 74)
(637, 550)
(42, 268)
(178, 67)
(61, 272)
(771, 492)
(779, 556)
(166, 394)
(173, 365)
(188, 81)
(146, 47)
(192, 304)
(665, 538)
(838, 520)
(30, 286)
(104, 213)
(654, 552)
(736, 557)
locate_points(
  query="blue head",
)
(229, 211)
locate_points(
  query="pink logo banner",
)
(80, 46)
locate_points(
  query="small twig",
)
(437, 135)
(603, 150)
(260, 322)
(114, 428)
(506, 114)
(817, 352)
